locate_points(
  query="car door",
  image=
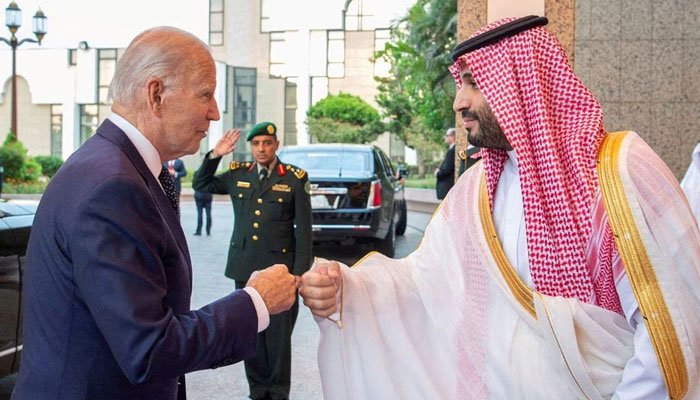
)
(10, 304)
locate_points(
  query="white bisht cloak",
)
(446, 322)
(691, 182)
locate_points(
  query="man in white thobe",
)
(565, 265)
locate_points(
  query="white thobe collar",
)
(144, 146)
(509, 218)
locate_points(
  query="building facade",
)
(270, 67)
(639, 58)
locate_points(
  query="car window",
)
(387, 164)
(315, 160)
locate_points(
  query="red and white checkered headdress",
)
(554, 124)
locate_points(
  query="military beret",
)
(511, 28)
(263, 128)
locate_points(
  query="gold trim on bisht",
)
(639, 269)
(520, 290)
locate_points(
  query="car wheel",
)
(386, 245)
(403, 217)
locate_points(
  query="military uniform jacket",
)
(272, 222)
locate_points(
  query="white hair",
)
(450, 132)
(163, 52)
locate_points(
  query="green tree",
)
(343, 118)
(49, 164)
(420, 137)
(16, 163)
(421, 85)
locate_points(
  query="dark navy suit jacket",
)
(108, 284)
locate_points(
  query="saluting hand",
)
(227, 143)
(319, 288)
(276, 286)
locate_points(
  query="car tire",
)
(403, 217)
(386, 245)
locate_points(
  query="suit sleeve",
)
(205, 181)
(448, 164)
(302, 232)
(121, 249)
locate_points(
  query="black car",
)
(16, 219)
(355, 193)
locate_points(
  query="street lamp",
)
(13, 20)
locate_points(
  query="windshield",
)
(344, 161)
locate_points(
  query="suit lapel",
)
(112, 133)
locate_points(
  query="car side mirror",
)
(403, 172)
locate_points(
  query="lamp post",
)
(13, 20)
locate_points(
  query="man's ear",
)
(155, 95)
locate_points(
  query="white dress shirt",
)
(152, 159)
(642, 377)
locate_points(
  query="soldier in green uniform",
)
(272, 225)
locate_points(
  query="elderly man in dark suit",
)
(109, 276)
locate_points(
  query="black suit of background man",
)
(446, 173)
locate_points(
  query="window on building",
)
(277, 54)
(106, 65)
(244, 92)
(72, 56)
(89, 118)
(382, 68)
(290, 112)
(56, 130)
(216, 22)
(360, 16)
(336, 54)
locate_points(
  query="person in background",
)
(177, 170)
(203, 202)
(446, 173)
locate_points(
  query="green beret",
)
(263, 128)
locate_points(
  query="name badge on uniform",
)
(280, 187)
(243, 184)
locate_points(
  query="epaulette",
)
(238, 165)
(298, 172)
(463, 155)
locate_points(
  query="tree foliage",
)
(49, 164)
(343, 118)
(420, 85)
(17, 165)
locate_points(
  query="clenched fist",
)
(276, 286)
(320, 288)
